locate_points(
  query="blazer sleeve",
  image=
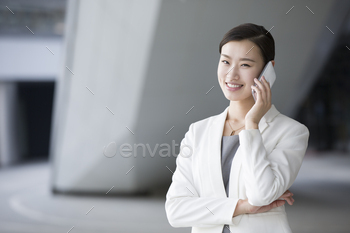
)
(268, 176)
(183, 206)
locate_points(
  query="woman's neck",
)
(238, 109)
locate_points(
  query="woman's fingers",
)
(257, 93)
(287, 193)
(288, 196)
(262, 104)
(290, 200)
(277, 203)
(261, 87)
(264, 87)
(268, 89)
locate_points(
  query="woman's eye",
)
(224, 61)
(246, 65)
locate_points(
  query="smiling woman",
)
(244, 159)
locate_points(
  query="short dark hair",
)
(256, 34)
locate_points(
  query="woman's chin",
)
(238, 97)
(233, 99)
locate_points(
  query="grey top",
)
(229, 146)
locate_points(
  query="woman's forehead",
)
(239, 49)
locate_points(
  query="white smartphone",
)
(269, 73)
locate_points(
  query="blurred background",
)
(96, 96)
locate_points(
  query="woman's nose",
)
(231, 72)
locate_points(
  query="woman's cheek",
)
(251, 82)
(221, 74)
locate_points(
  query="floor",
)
(321, 193)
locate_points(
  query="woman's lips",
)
(233, 88)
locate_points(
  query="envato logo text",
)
(126, 150)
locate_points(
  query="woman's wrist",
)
(241, 208)
(251, 125)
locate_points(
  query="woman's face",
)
(239, 64)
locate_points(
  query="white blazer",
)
(263, 168)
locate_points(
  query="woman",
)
(235, 168)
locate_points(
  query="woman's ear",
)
(273, 62)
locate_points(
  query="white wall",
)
(107, 48)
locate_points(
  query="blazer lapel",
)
(214, 155)
(268, 117)
(262, 124)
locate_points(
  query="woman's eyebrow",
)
(225, 55)
(246, 59)
(241, 59)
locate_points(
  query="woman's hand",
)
(287, 195)
(243, 206)
(262, 104)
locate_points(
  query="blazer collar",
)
(214, 158)
(219, 121)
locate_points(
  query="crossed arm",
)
(243, 206)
